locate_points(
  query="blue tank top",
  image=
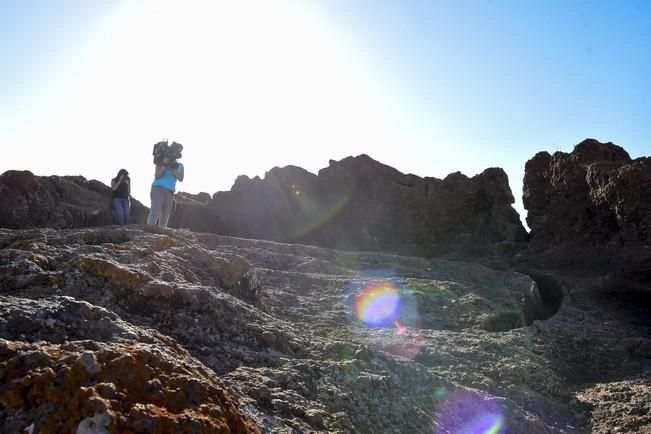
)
(167, 181)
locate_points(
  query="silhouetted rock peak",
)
(359, 203)
(591, 150)
(587, 152)
(590, 208)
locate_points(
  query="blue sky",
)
(429, 87)
(517, 71)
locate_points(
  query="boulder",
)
(590, 209)
(58, 202)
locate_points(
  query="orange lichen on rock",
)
(115, 388)
(162, 243)
(117, 274)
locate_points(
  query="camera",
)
(166, 154)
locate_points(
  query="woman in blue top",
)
(121, 187)
(162, 191)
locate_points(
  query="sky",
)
(428, 87)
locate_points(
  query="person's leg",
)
(127, 211)
(157, 196)
(118, 206)
(167, 209)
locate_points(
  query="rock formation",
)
(139, 329)
(127, 329)
(590, 209)
(57, 201)
(361, 204)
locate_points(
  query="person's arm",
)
(179, 174)
(115, 183)
(160, 169)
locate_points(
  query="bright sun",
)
(243, 85)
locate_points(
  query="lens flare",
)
(383, 312)
(470, 412)
(378, 305)
(317, 214)
(440, 393)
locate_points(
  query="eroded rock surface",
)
(590, 209)
(58, 202)
(360, 204)
(89, 386)
(128, 329)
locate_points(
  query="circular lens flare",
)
(377, 305)
(470, 412)
(384, 312)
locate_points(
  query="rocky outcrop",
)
(361, 204)
(96, 387)
(590, 209)
(58, 202)
(140, 329)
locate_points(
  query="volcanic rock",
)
(48, 387)
(360, 204)
(57, 202)
(142, 329)
(590, 209)
(145, 329)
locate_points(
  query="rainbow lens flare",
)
(383, 311)
(470, 412)
(316, 214)
(377, 305)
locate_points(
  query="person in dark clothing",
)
(121, 186)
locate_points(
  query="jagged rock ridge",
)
(590, 209)
(360, 204)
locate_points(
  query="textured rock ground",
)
(360, 204)
(58, 202)
(137, 329)
(92, 387)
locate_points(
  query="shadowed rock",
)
(590, 209)
(57, 201)
(145, 329)
(360, 204)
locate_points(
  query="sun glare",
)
(244, 85)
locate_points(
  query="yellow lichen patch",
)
(162, 243)
(157, 289)
(28, 245)
(39, 260)
(229, 269)
(16, 254)
(142, 387)
(115, 247)
(56, 279)
(119, 275)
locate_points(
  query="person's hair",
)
(121, 172)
